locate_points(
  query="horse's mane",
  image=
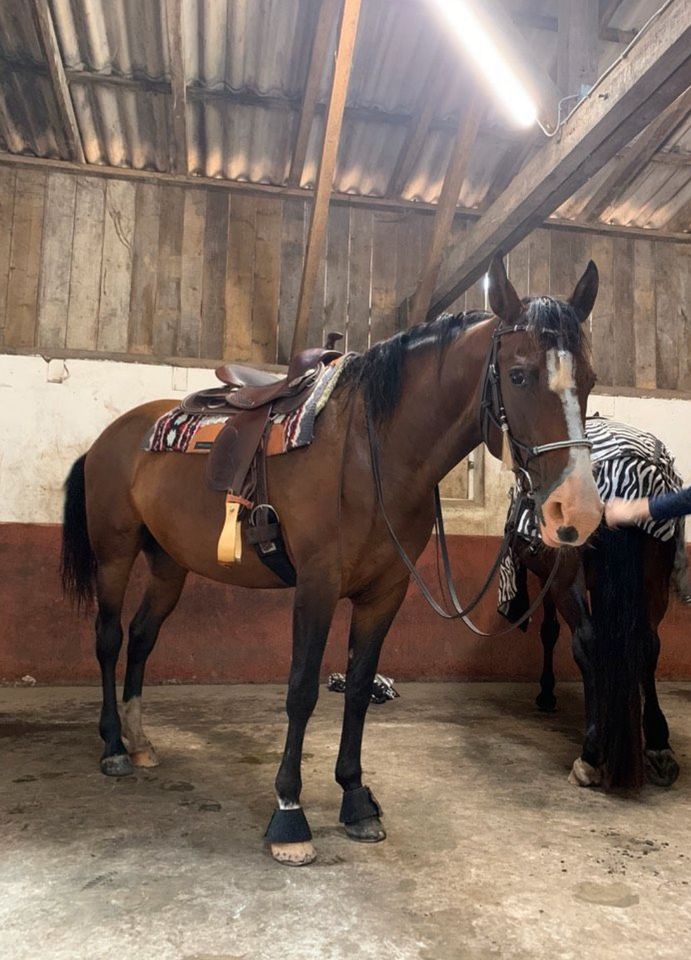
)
(379, 371)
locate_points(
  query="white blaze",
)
(560, 379)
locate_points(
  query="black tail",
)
(77, 561)
(621, 629)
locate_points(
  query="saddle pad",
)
(180, 432)
(628, 463)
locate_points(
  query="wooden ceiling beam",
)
(316, 239)
(178, 85)
(622, 104)
(459, 161)
(577, 47)
(56, 70)
(393, 204)
(321, 50)
(624, 169)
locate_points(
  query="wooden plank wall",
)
(150, 270)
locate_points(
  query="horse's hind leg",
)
(288, 832)
(111, 582)
(661, 767)
(549, 634)
(370, 623)
(161, 596)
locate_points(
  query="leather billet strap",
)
(459, 612)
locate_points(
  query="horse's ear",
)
(583, 297)
(503, 299)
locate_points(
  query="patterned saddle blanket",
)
(628, 463)
(181, 432)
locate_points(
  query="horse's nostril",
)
(567, 534)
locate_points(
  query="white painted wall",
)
(45, 426)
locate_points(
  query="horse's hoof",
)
(661, 767)
(584, 775)
(144, 758)
(368, 830)
(118, 765)
(294, 854)
(546, 702)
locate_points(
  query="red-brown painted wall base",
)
(223, 634)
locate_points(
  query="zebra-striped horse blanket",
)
(627, 463)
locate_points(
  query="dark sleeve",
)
(670, 505)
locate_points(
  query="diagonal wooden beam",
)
(459, 161)
(56, 69)
(508, 38)
(624, 169)
(321, 48)
(322, 193)
(423, 115)
(622, 104)
(178, 100)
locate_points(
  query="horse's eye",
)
(518, 377)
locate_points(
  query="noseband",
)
(493, 413)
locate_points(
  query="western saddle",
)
(236, 464)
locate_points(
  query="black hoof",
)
(661, 767)
(546, 702)
(118, 765)
(366, 831)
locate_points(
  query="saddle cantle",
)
(236, 464)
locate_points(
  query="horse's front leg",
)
(586, 770)
(288, 832)
(371, 619)
(549, 634)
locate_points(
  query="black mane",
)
(379, 371)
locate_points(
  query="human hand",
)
(620, 512)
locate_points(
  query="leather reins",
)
(492, 412)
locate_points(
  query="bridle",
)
(492, 413)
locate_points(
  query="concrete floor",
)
(491, 854)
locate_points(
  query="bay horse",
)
(421, 391)
(613, 594)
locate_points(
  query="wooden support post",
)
(321, 48)
(56, 69)
(459, 160)
(178, 102)
(320, 206)
(624, 102)
(607, 9)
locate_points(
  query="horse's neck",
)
(437, 421)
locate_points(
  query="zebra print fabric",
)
(627, 463)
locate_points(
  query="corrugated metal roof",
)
(246, 64)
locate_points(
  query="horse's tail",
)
(77, 561)
(620, 625)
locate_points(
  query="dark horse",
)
(612, 593)
(421, 391)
